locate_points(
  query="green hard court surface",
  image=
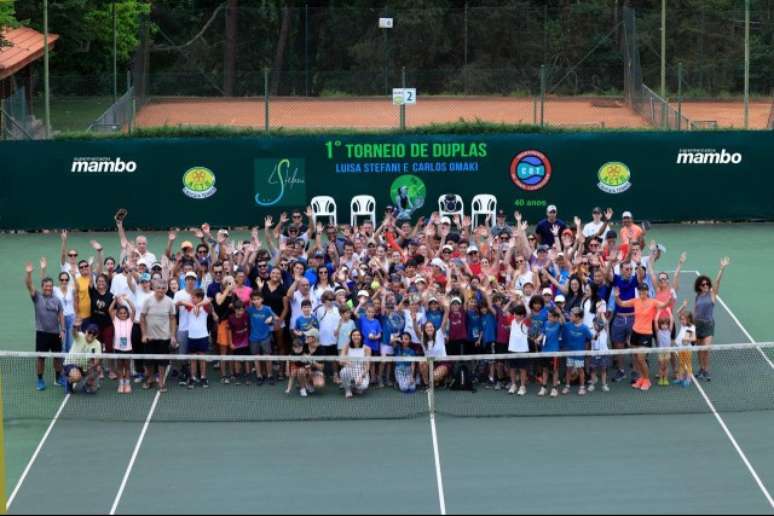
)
(661, 451)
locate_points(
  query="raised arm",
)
(100, 258)
(620, 302)
(63, 249)
(724, 262)
(28, 279)
(678, 269)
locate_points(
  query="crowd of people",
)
(438, 287)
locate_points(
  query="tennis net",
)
(742, 380)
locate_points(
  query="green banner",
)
(235, 182)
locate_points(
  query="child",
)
(599, 342)
(261, 327)
(686, 336)
(198, 336)
(575, 336)
(371, 329)
(664, 340)
(238, 337)
(518, 342)
(122, 313)
(405, 372)
(488, 335)
(343, 330)
(298, 367)
(552, 331)
(306, 321)
(504, 318)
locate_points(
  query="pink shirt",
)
(122, 334)
(243, 293)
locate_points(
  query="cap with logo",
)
(626, 215)
(551, 208)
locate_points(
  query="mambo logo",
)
(708, 157)
(103, 165)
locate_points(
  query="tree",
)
(6, 18)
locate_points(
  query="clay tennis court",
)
(379, 113)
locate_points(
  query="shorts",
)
(201, 345)
(458, 347)
(641, 341)
(262, 347)
(664, 356)
(550, 363)
(330, 351)
(47, 342)
(387, 350)
(501, 348)
(182, 342)
(601, 362)
(106, 338)
(621, 329)
(222, 334)
(574, 363)
(704, 328)
(157, 347)
(520, 363)
(137, 344)
(241, 352)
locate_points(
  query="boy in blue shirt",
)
(576, 335)
(551, 340)
(261, 327)
(306, 321)
(371, 329)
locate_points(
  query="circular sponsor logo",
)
(408, 193)
(530, 170)
(199, 183)
(614, 177)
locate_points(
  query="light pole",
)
(46, 92)
(386, 24)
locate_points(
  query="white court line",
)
(136, 449)
(36, 453)
(734, 443)
(436, 457)
(741, 327)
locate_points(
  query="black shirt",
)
(273, 298)
(100, 304)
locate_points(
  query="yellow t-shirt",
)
(80, 345)
(84, 301)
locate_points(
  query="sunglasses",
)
(92, 333)
(323, 272)
(663, 278)
(704, 284)
(72, 255)
(202, 251)
(262, 265)
(64, 279)
(296, 216)
(83, 267)
(218, 272)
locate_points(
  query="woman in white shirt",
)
(65, 293)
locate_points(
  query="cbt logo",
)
(530, 170)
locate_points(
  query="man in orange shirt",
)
(630, 232)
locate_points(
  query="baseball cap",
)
(548, 292)
(445, 220)
(456, 300)
(500, 213)
(363, 293)
(145, 277)
(543, 247)
(472, 249)
(576, 310)
(142, 261)
(611, 234)
(394, 277)
(314, 332)
(551, 207)
(626, 215)
(421, 279)
(449, 247)
(156, 264)
(190, 274)
(559, 299)
(596, 209)
(319, 254)
(438, 263)
(432, 299)
(185, 244)
(567, 231)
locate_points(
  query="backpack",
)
(462, 379)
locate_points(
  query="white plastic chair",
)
(458, 207)
(323, 206)
(483, 205)
(362, 206)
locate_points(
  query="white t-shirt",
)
(119, 286)
(68, 303)
(522, 279)
(328, 321)
(518, 341)
(409, 327)
(680, 340)
(591, 228)
(140, 296)
(197, 324)
(437, 348)
(149, 258)
(600, 341)
(182, 311)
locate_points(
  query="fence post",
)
(542, 94)
(403, 105)
(431, 387)
(132, 115)
(534, 110)
(306, 49)
(266, 100)
(679, 96)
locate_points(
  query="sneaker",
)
(498, 386)
(61, 381)
(522, 390)
(591, 388)
(707, 377)
(700, 374)
(605, 388)
(303, 393)
(128, 387)
(182, 381)
(566, 389)
(677, 381)
(120, 389)
(271, 380)
(619, 375)
(686, 383)
(582, 391)
(190, 384)
(310, 389)
(543, 391)
(146, 385)
(348, 394)
(663, 382)
(645, 385)
(112, 375)
(637, 384)
(138, 378)
(512, 389)
(554, 392)
(259, 380)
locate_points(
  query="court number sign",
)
(402, 96)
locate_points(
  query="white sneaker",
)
(554, 392)
(566, 389)
(310, 389)
(591, 388)
(512, 389)
(582, 391)
(605, 388)
(542, 391)
(522, 390)
(303, 393)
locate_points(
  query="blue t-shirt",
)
(367, 327)
(538, 322)
(627, 290)
(400, 351)
(304, 323)
(259, 330)
(489, 327)
(435, 317)
(393, 324)
(574, 338)
(474, 325)
(553, 334)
